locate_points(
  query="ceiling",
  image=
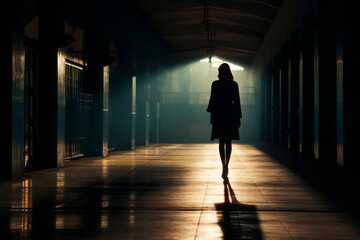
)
(229, 29)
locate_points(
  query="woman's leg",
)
(225, 148)
(228, 149)
(222, 157)
(222, 151)
(228, 152)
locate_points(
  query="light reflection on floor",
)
(21, 208)
(171, 191)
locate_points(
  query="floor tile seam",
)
(165, 209)
(106, 182)
(33, 175)
(83, 193)
(291, 183)
(277, 214)
(205, 194)
(84, 161)
(98, 186)
(143, 164)
(134, 152)
(110, 210)
(253, 180)
(201, 211)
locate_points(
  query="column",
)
(276, 107)
(339, 84)
(98, 79)
(155, 94)
(142, 81)
(50, 137)
(351, 99)
(294, 93)
(12, 103)
(121, 97)
(267, 120)
(308, 87)
(284, 98)
(327, 82)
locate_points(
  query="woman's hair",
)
(225, 72)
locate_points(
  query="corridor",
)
(175, 191)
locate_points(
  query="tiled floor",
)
(171, 192)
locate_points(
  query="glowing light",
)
(213, 60)
(216, 62)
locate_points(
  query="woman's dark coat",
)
(225, 109)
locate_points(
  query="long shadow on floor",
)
(237, 220)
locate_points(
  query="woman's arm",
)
(210, 107)
(237, 103)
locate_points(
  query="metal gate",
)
(78, 106)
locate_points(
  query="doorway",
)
(30, 107)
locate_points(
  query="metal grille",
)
(78, 106)
(247, 97)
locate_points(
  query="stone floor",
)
(172, 191)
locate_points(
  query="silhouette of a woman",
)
(225, 113)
